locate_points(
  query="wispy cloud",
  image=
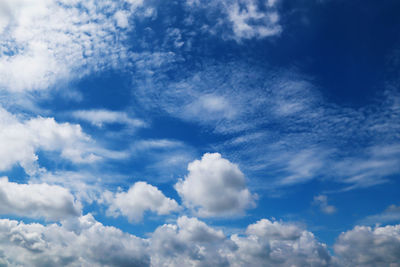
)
(100, 117)
(322, 202)
(389, 215)
(304, 137)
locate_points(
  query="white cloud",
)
(189, 242)
(302, 166)
(248, 21)
(366, 246)
(20, 139)
(304, 137)
(99, 117)
(122, 19)
(86, 186)
(47, 41)
(211, 106)
(37, 201)
(157, 144)
(91, 244)
(370, 168)
(140, 197)
(239, 19)
(322, 202)
(390, 215)
(215, 187)
(276, 244)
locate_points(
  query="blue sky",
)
(199, 133)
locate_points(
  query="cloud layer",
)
(58, 40)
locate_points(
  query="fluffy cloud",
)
(192, 243)
(276, 244)
(37, 201)
(99, 117)
(20, 139)
(53, 40)
(91, 244)
(140, 197)
(215, 187)
(189, 242)
(366, 246)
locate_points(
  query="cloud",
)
(248, 21)
(91, 244)
(276, 244)
(377, 162)
(37, 201)
(140, 197)
(20, 139)
(215, 187)
(164, 159)
(157, 144)
(99, 117)
(302, 166)
(212, 106)
(239, 19)
(189, 242)
(322, 202)
(54, 41)
(286, 128)
(389, 215)
(86, 186)
(366, 246)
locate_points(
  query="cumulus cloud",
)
(55, 40)
(322, 202)
(140, 197)
(20, 139)
(366, 246)
(91, 244)
(37, 201)
(276, 244)
(215, 187)
(189, 242)
(99, 117)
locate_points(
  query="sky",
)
(199, 133)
